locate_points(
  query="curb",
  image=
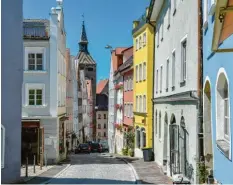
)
(138, 180)
(59, 173)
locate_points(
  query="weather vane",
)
(83, 16)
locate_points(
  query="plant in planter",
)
(125, 151)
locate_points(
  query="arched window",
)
(223, 115)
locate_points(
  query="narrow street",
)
(95, 168)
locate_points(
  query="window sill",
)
(35, 71)
(182, 84)
(173, 88)
(224, 147)
(35, 106)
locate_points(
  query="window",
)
(222, 114)
(136, 103)
(90, 69)
(137, 73)
(140, 72)
(183, 60)
(167, 75)
(131, 82)
(144, 103)
(168, 17)
(35, 61)
(99, 134)
(99, 126)
(158, 37)
(105, 116)
(140, 42)
(157, 80)
(105, 125)
(174, 7)
(131, 110)
(161, 78)
(144, 39)
(160, 125)
(104, 134)
(35, 97)
(162, 30)
(125, 85)
(141, 104)
(156, 123)
(137, 44)
(99, 116)
(144, 71)
(173, 68)
(205, 14)
(212, 7)
(2, 145)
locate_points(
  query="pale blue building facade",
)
(217, 90)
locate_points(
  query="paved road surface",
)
(95, 169)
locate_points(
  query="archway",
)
(208, 149)
(165, 144)
(174, 146)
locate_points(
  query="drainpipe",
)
(153, 149)
(200, 85)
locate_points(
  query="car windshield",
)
(83, 145)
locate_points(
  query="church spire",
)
(83, 40)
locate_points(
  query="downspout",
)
(153, 149)
(200, 86)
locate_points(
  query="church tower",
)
(87, 63)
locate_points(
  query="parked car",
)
(96, 147)
(83, 148)
(105, 146)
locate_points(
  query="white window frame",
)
(35, 50)
(140, 72)
(167, 74)
(157, 80)
(144, 71)
(140, 42)
(205, 14)
(137, 73)
(183, 63)
(144, 103)
(220, 113)
(161, 78)
(3, 139)
(212, 7)
(227, 136)
(144, 39)
(29, 86)
(168, 17)
(141, 103)
(137, 104)
(173, 67)
(137, 44)
(174, 6)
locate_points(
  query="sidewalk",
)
(148, 172)
(41, 176)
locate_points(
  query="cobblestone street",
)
(95, 169)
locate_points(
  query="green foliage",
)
(129, 137)
(131, 152)
(125, 151)
(202, 172)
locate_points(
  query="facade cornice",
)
(184, 96)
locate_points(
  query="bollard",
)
(26, 174)
(34, 164)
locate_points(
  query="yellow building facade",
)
(143, 39)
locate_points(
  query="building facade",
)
(12, 80)
(69, 102)
(217, 88)
(44, 88)
(176, 79)
(89, 128)
(143, 33)
(87, 63)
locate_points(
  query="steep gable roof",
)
(101, 85)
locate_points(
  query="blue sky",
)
(107, 22)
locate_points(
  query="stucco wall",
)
(212, 64)
(12, 79)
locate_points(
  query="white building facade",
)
(176, 84)
(44, 86)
